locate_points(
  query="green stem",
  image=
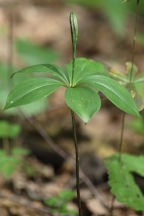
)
(134, 41)
(73, 65)
(77, 162)
(121, 136)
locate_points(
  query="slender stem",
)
(134, 40)
(77, 162)
(73, 65)
(121, 136)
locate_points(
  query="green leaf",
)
(83, 101)
(4, 82)
(8, 164)
(139, 79)
(31, 53)
(30, 91)
(122, 182)
(115, 92)
(20, 151)
(139, 87)
(131, 71)
(8, 130)
(83, 68)
(35, 107)
(52, 70)
(53, 201)
(137, 125)
(66, 194)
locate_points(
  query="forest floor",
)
(49, 168)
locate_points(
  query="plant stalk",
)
(121, 136)
(77, 162)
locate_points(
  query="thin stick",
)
(77, 162)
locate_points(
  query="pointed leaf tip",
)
(83, 101)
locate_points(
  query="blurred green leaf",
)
(9, 130)
(8, 164)
(31, 53)
(20, 151)
(137, 125)
(53, 201)
(66, 194)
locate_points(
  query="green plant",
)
(29, 53)
(121, 166)
(59, 203)
(9, 163)
(83, 80)
(10, 158)
(122, 182)
(9, 130)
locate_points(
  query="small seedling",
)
(9, 130)
(10, 158)
(83, 79)
(9, 163)
(59, 203)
